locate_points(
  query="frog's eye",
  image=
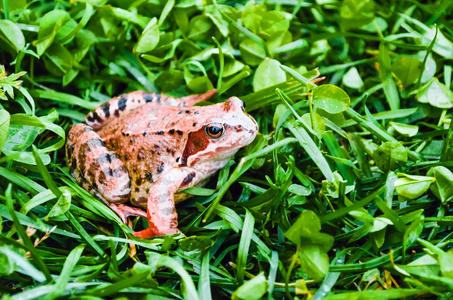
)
(214, 130)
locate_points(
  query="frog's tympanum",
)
(144, 147)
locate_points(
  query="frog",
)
(138, 152)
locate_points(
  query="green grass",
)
(346, 192)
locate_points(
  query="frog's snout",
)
(236, 105)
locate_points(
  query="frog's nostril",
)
(243, 104)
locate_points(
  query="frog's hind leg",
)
(122, 104)
(97, 169)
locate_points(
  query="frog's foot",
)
(125, 211)
(151, 232)
(161, 211)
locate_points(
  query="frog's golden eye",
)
(214, 130)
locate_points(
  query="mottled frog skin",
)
(143, 147)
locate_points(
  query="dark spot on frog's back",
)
(93, 116)
(149, 176)
(138, 181)
(106, 110)
(160, 132)
(160, 168)
(188, 179)
(179, 132)
(122, 102)
(148, 97)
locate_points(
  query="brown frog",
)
(143, 147)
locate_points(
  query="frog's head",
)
(223, 129)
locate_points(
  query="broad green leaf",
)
(62, 205)
(200, 26)
(267, 74)
(404, 129)
(251, 53)
(70, 30)
(170, 53)
(412, 186)
(149, 38)
(390, 155)
(380, 223)
(18, 141)
(330, 98)
(274, 27)
(430, 66)
(253, 289)
(299, 190)
(59, 60)
(446, 264)
(167, 9)
(170, 80)
(195, 246)
(316, 122)
(356, 13)
(50, 26)
(407, 69)
(412, 233)
(442, 188)
(232, 66)
(352, 79)
(11, 35)
(442, 46)
(436, 94)
(15, 5)
(306, 231)
(200, 84)
(314, 261)
(377, 24)
(213, 12)
(253, 15)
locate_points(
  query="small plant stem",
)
(288, 274)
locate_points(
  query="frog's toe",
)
(150, 232)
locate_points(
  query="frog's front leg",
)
(99, 170)
(162, 216)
